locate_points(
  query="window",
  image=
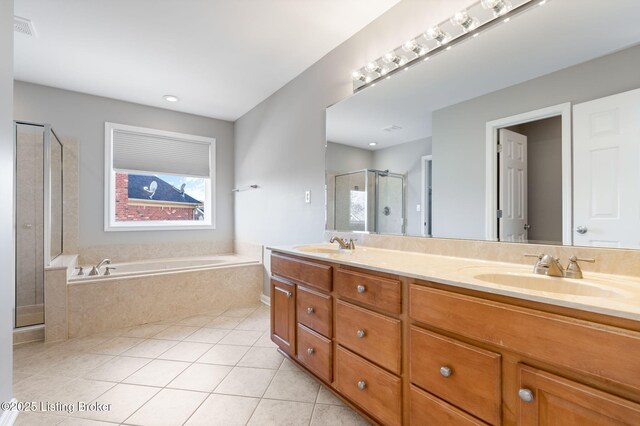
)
(158, 180)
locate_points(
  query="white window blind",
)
(159, 153)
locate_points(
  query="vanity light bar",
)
(438, 38)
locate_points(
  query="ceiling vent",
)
(391, 128)
(23, 26)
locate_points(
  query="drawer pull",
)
(311, 351)
(361, 333)
(360, 288)
(362, 385)
(309, 310)
(446, 371)
(526, 395)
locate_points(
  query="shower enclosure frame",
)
(47, 208)
(376, 197)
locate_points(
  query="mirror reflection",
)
(517, 135)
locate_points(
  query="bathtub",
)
(148, 291)
(158, 266)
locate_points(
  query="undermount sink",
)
(550, 284)
(321, 248)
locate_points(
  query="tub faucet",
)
(96, 269)
(343, 243)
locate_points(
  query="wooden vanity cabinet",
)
(408, 352)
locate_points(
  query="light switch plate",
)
(307, 197)
(417, 207)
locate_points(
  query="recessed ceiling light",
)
(373, 143)
(170, 98)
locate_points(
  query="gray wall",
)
(79, 116)
(406, 159)
(280, 143)
(344, 158)
(544, 179)
(6, 194)
(459, 133)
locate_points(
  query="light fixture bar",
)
(465, 23)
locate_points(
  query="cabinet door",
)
(546, 399)
(283, 315)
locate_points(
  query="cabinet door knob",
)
(309, 310)
(446, 371)
(360, 288)
(310, 351)
(526, 395)
(360, 333)
(362, 385)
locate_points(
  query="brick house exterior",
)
(147, 209)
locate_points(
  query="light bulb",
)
(373, 67)
(357, 75)
(463, 19)
(391, 58)
(413, 46)
(499, 7)
(368, 79)
(435, 33)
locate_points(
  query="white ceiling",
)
(220, 57)
(543, 40)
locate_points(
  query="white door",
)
(606, 171)
(513, 186)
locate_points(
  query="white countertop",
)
(614, 295)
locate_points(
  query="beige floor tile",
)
(186, 351)
(279, 413)
(115, 345)
(170, 407)
(293, 386)
(157, 373)
(289, 366)
(176, 332)
(195, 321)
(144, 331)
(223, 322)
(253, 324)
(239, 312)
(334, 415)
(246, 382)
(265, 341)
(262, 358)
(224, 354)
(78, 365)
(241, 337)
(17, 377)
(207, 335)
(84, 422)
(200, 377)
(38, 387)
(325, 396)
(224, 410)
(78, 390)
(150, 348)
(38, 419)
(117, 369)
(84, 343)
(124, 400)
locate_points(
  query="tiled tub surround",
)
(108, 303)
(216, 368)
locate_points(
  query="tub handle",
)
(108, 270)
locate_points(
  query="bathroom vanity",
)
(407, 338)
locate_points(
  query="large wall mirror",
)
(529, 132)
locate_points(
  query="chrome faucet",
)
(573, 269)
(547, 265)
(343, 243)
(96, 269)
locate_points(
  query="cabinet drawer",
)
(382, 293)
(314, 351)
(426, 409)
(551, 338)
(315, 310)
(374, 336)
(379, 393)
(302, 271)
(461, 374)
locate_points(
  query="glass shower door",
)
(390, 204)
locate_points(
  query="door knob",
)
(581, 230)
(527, 226)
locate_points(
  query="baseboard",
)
(8, 418)
(264, 299)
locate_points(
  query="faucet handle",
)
(573, 269)
(108, 269)
(80, 270)
(539, 256)
(573, 259)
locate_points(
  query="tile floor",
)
(217, 368)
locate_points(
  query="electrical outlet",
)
(307, 197)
